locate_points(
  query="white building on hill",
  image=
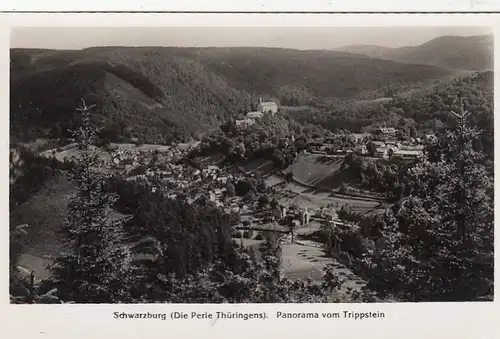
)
(267, 107)
(306, 217)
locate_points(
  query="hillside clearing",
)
(311, 199)
(313, 168)
(306, 259)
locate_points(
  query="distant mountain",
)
(372, 51)
(161, 94)
(452, 52)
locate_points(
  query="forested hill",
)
(453, 52)
(426, 109)
(161, 94)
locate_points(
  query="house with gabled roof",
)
(386, 133)
(267, 107)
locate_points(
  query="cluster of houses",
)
(392, 149)
(172, 176)
(294, 216)
(182, 178)
(127, 159)
(397, 150)
(128, 156)
(383, 140)
(385, 133)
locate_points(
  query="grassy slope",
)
(44, 212)
(312, 169)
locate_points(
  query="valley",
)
(251, 175)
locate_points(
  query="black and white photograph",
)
(251, 165)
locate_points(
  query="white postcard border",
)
(419, 321)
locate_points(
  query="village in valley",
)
(288, 210)
(251, 174)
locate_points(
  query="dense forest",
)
(159, 95)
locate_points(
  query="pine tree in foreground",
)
(95, 267)
(440, 245)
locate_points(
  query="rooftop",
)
(387, 130)
(254, 114)
(407, 152)
(268, 103)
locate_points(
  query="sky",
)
(282, 37)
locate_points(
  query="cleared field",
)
(263, 166)
(335, 180)
(304, 259)
(39, 264)
(378, 101)
(314, 199)
(312, 169)
(212, 160)
(265, 169)
(43, 213)
(296, 188)
(145, 147)
(320, 173)
(273, 180)
(297, 108)
(71, 151)
(301, 262)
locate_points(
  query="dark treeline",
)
(378, 176)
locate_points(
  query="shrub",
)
(249, 197)
(263, 200)
(259, 236)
